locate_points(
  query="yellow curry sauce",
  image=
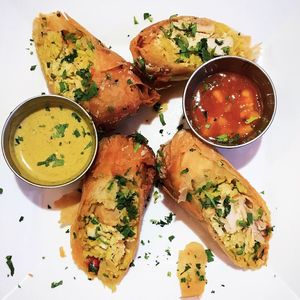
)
(52, 146)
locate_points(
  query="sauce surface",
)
(226, 107)
(52, 145)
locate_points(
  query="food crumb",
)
(62, 252)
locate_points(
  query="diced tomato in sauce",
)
(226, 107)
(93, 264)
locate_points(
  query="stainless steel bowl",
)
(244, 67)
(25, 109)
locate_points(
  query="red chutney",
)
(226, 107)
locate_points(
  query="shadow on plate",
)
(197, 227)
(45, 198)
(240, 157)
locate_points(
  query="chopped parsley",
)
(186, 268)
(21, 219)
(209, 255)
(56, 284)
(10, 265)
(32, 68)
(169, 274)
(121, 180)
(63, 87)
(1, 191)
(90, 88)
(135, 21)
(226, 49)
(167, 220)
(129, 81)
(139, 140)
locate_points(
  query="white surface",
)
(271, 164)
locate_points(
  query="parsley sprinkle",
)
(135, 21)
(21, 219)
(32, 68)
(129, 81)
(76, 133)
(1, 191)
(167, 220)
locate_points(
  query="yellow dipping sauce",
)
(53, 146)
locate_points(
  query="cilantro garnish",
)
(71, 57)
(148, 16)
(209, 254)
(125, 230)
(135, 21)
(162, 119)
(51, 159)
(10, 265)
(76, 117)
(56, 284)
(167, 220)
(19, 139)
(76, 133)
(184, 171)
(60, 130)
(32, 68)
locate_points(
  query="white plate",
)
(272, 164)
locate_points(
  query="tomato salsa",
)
(226, 107)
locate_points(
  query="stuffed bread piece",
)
(172, 49)
(78, 66)
(208, 187)
(105, 234)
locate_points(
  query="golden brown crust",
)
(206, 165)
(156, 45)
(117, 156)
(120, 91)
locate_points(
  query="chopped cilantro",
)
(223, 138)
(88, 145)
(241, 249)
(171, 238)
(21, 219)
(60, 130)
(226, 50)
(125, 230)
(121, 180)
(209, 255)
(167, 220)
(169, 274)
(251, 119)
(10, 265)
(189, 197)
(71, 57)
(162, 119)
(135, 21)
(76, 133)
(148, 16)
(90, 45)
(63, 87)
(76, 117)
(186, 268)
(219, 42)
(19, 139)
(56, 284)
(250, 218)
(125, 200)
(184, 171)
(1, 191)
(32, 68)
(168, 252)
(129, 81)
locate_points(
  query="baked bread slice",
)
(208, 187)
(78, 66)
(172, 49)
(105, 234)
